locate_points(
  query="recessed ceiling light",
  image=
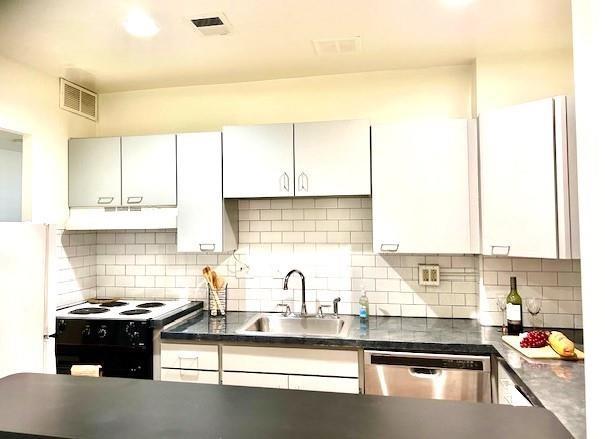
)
(456, 3)
(139, 24)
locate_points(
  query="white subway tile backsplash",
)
(527, 264)
(552, 280)
(328, 239)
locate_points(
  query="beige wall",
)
(442, 91)
(29, 104)
(502, 81)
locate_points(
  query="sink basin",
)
(277, 324)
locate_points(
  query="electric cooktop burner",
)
(150, 305)
(89, 311)
(132, 312)
(113, 304)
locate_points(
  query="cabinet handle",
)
(196, 358)
(104, 200)
(389, 247)
(302, 178)
(284, 182)
(207, 247)
(500, 250)
(134, 200)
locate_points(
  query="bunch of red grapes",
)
(535, 339)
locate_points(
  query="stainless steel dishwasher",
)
(429, 376)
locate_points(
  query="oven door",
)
(114, 362)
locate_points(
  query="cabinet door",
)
(274, 381)
(258, 161)
(420, 181)
(325, 362)
(189, 376)
(324, 384)
(203, 222)
(518, 195)
(189, 356)
(332, 158)
(149, 170)
(94, 172)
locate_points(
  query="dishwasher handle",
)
(425, 372)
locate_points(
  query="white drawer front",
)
(189, 376)
(249, 379)
(290, 361)
(189, 356)
(324, 384)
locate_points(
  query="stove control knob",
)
(86, 332)
(102, 332)
(61, 325)
(134, 337)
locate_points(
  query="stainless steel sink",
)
(278, 324)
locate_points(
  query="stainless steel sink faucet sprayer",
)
(303, 309)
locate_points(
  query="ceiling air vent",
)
(78, 100)
(212, 24)
(335, 46)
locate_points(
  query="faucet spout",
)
(303, 309)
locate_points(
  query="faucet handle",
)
(335, 303)
(320, 312)
(287, 310)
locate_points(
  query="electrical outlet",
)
(428, 275)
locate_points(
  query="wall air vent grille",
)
(77, 99)
(337, 46)
(212, 24)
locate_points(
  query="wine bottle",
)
(514, 309)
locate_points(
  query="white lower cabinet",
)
(189, 356)
(508, 392)
(323, 384)
(300, 361)
(275, 381)
(293, 382)
(322, 370)
(189, 363)
(190, 376)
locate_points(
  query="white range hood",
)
(122, 218)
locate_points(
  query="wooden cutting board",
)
(545, 353)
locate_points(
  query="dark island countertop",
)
(554, 384)
(63, 406)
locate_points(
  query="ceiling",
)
(84, 40)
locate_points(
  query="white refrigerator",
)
(27, 304)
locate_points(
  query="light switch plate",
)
(428, 275)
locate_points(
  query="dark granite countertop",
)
(63, 406)
(555, 384)
(175, 314)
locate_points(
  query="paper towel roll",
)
(86, 370)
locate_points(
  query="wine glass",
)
(501, 304)
(534, 306)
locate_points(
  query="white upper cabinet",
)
(424, 183)
(94, 172)
(258, 161)
(332, 158)
(527, 195)
(149, 170)
(204, 222)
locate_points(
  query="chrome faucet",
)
(303, 309)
